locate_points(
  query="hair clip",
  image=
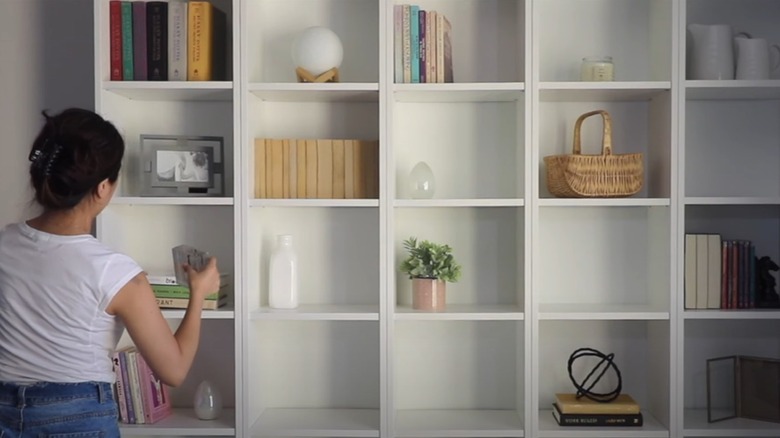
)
(45, 156)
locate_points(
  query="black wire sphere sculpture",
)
(585, 388)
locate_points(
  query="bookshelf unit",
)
(542, 276)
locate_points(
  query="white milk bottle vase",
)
(283, 275)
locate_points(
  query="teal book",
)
(127, 41)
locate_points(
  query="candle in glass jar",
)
(597, 69)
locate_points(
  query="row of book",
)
(174, 40)
(316, 168)
(569, 410)
(422, 45)
(141, 396)
(719, 273)
(171, 295)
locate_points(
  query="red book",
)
(115, 33)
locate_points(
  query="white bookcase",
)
(543, 276)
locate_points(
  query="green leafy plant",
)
(429, 260)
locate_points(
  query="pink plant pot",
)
(428, 294)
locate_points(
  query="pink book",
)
(156, 400)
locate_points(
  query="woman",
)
(65, 297)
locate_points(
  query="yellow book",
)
(206, 42)
(570, 404)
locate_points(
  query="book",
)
(597, 420)
(568, 403)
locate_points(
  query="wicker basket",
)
(594, 176)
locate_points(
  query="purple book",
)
(139, 41)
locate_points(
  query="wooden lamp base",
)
(331, 75)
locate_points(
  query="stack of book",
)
(568, 410)
(141, 396)
(171, 295)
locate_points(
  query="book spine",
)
(135, 387)
(126, 384)
(120, 388)
(199, 38)
(127, 41)
(183, 303)
(115, 36)
(422, 50)
(140, 69)
(414, 37)
(157, 40)
(407, 45)
(600, 420)
(177, 41)
(398, 43)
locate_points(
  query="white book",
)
(177, 40)
(714, 250)
(702, 271)
(690, 271)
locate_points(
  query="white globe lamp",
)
(317, 53)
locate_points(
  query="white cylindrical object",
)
(283, 275)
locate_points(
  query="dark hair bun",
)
(74, 151)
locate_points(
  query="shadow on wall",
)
(67, 53)
(47, 49)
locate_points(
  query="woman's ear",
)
(104, 190)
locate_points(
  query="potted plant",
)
(430, 266)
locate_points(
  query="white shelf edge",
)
(491, 202)
(611, 85)
(184, 422)
(696, 425)
(605, 202)
(227, 313)
(317, 313)
(255, 87)
(458, 86)
(141, 200)
(604, 316)
(735, 200)
(475, 315)
(311, 422)
(167, 85)
(748, 314)
(260, 203)
(457, 423)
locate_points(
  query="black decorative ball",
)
(584, 388)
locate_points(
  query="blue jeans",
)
(58, 410)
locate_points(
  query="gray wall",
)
(46, 62)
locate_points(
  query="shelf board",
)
(732, 314)
(480, 202)
(316, 92)
(172, 91)
(313, 312)
(314, 203)
(548, 427)
(459, 92)
(604, 202)
(600, 312)
(422, 423)
(695, 424)
(601, 91)
(317, 423)
(732, 200)
(142, 200)
(183, 422)
(732, 90)
(466, 312)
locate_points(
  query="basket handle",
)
(606, 140)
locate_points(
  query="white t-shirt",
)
(54, 291)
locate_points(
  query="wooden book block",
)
(301, 163)
(325, 169)
(338, 169)
(260, 168)
(286, 169)
(349, 165)
(293, 169)
(277, 163)
(311, 168)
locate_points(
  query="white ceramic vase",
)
(208, 401)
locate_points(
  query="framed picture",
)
(182, 165)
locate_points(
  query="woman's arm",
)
(169, 355)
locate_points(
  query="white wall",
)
(45, 63)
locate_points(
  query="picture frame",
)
(178, 165)
(743, 387)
